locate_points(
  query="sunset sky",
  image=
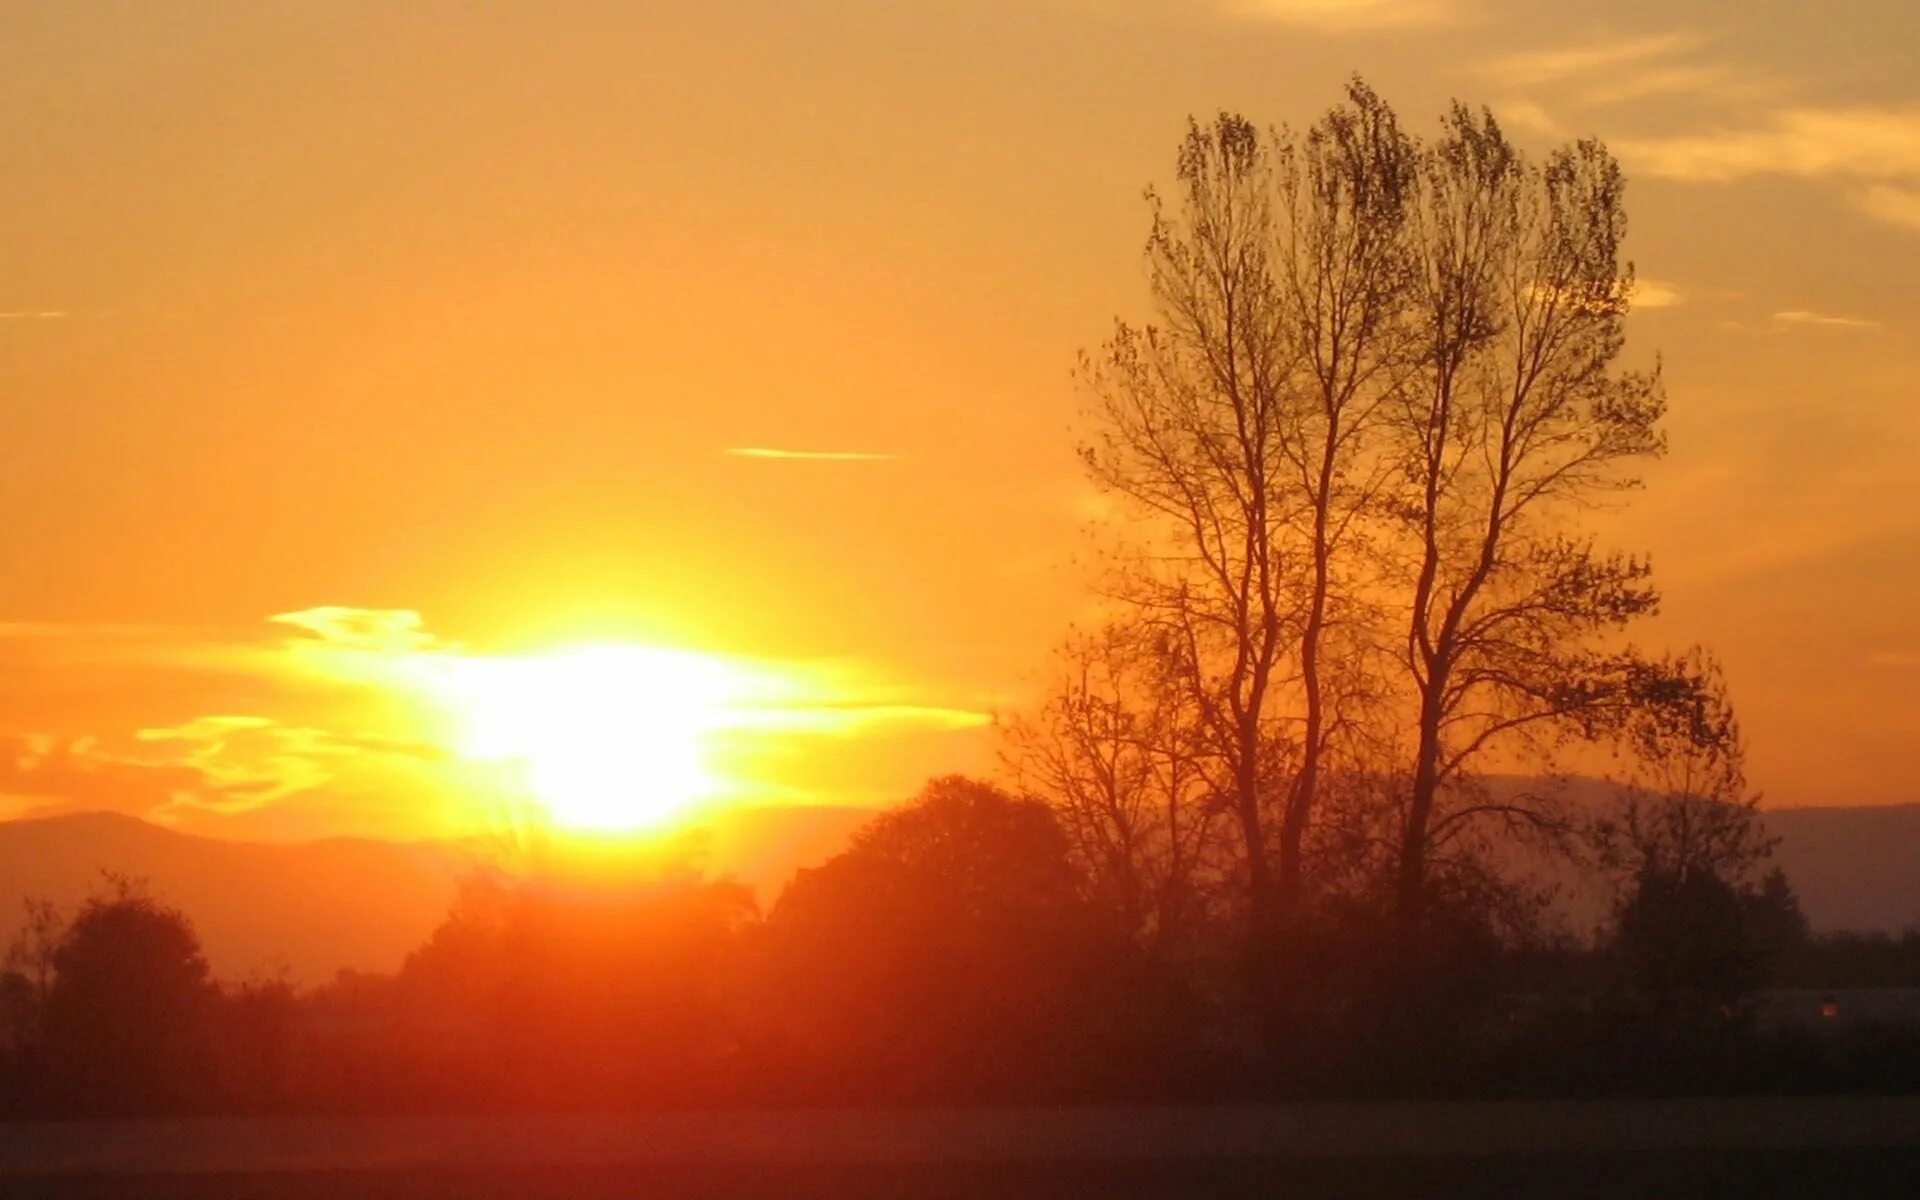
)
(350, 349)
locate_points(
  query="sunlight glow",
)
(608, 737)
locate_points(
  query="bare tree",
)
(1116, 751)
(1245, 426)
(1686, 807)
(1189, 434)
(1343, 272)
(32, 955)
(1521, 421)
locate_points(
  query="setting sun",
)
(608, 737)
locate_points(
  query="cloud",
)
(1674, 80)
(1876, 144)
(1598, 74)
(1895, 206)
(1782, 323)
(808, 455)
(34, 314)
(1353, 16)
(1643, 294)
(1877, 150)
(244, 761)
(1896, 659)
(223, 764)
(860, 717)
(78, 773)
(1527, 115)
(385, 630)
(1537, 67)
(1801, 318)
(334, 719)
(1655, 293)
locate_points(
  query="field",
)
(1786, 1147)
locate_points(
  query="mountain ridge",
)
(309, 909)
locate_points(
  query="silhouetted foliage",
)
(1117, 752)
(128, 1016)
(944, 952)
(563, 991)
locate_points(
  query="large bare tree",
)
(1380, 396)
(1245, 425)
(1521, 421)
(1343, 271)
(1188, 434)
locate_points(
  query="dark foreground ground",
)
(1618, 1150)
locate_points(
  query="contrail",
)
(808, 455)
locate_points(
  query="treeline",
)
(954, 953)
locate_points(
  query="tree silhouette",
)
(127, 1018)
(1115, 751)
(574, 988)
(939, 955)
(1517, 420)
(1380, 392)
(1188, 434)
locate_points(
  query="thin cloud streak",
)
(33, 314)
(1877, 144)
(1353, 16)
(1533, 68)
(1823, 320)
(1890, 205)
(770, 452)
(1654, 293)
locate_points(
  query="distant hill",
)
(311, 908)
(1855, 868)
(314, 907)
(308, 907)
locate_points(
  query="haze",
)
(745, 330)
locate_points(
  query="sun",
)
(604, 737)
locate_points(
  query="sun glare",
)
(607, 737)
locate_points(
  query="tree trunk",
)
(1411, 885)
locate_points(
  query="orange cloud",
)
(808, 455)
(347, 723)
(1862, 143)
(1354, 16)
(1891, 205)
(389, 630)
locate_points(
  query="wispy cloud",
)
(378, 629)
(808, 455)
(360, 720)
(1893, 205)
(1654, 293)
(1875, 152)
(1527, 115)
(1781, 324)
(1813, 320)
(1878, 144)
(1536, 67)
(1644, 293)
(1353, 16)
(33, 314)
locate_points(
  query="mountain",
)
(314, 907)
(308, 908)
(311, 908)
(1855, 868)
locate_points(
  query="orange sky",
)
(459, 310)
